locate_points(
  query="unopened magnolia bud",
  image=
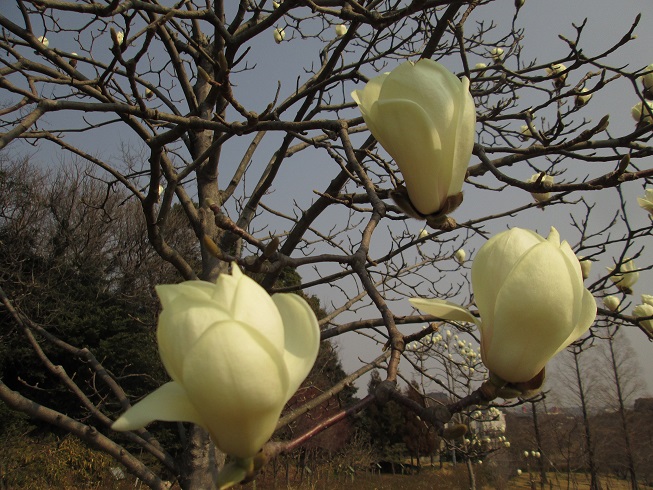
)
(519, 472)
(506, 444)
(481, 67)
(460, 256)
(582, 98)
(585, 266)
(557, 70)
(647, 82)
(644, 310)
(611, 303)
(646, 202)
(546, 182)
(526, 454)
(43, 40)
(625, 276)
(423, 233)
(341, 30)
(279, 35)
(497, 55)
(642, 114)
(276, 5)
(525, 132)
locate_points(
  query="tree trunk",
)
(595, 484)
(622, 416)
(201, 461)
(538, 441)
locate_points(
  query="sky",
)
(543, 22)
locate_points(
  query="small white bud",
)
(611, 303)
(279, 35)
(341, 30)
(497, 54)
(43, 40)
(460, 256)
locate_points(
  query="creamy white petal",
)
(167, 403)
(416, 147)
(302, 338)
(180, 325)
(465, 135)
(493, 264)
(531, 323)
(444, 309)
(238, 382)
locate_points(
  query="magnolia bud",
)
(611, 303)
(481, 67)
(460, 256)
(646, 202)
(557, 70)
(519, 472)
(43, 40)
(626, 275)
(647, 299)
(341, 30)
(526, 454)
(642, 114)
(279, 35)
(546, 182)
(519, 3)
(647, 82)
(585, 266)
(497, 55)
(582, 98)
(644, 310)
(525, 132)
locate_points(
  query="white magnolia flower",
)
(645, 310)
(530, 295)
(460, 256)
(526, 454)
(646, 202)
(546, 182)
(506, 444)
(423, 233)
(519, 472)
(626, 275)
(582, 98)
(235, 356)
(279, 35)
(341, 30)
(647, 299)
(647, 80)
(425, 118)
(641, 114)
(611, 303)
